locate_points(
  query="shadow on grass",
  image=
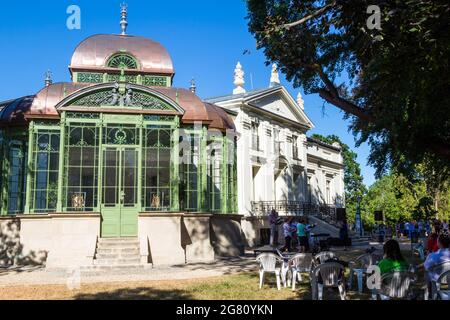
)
(137, 294)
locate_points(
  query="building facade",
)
(118, 153)
(278, 166)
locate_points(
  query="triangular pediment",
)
(281, 103)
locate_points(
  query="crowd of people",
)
(296, 235)
(296, 232)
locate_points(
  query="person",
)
(294, 240)
(442, 255)
(432, 243)
(302, 235)
(392, 259)
(273, 219)
(343, 233)
(428, 228)
(445, 226)
(287, 232)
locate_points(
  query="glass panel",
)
(82, 167)
(110, 177)
(156, 168)
(129, 181)
(45, 171)
(17, 177)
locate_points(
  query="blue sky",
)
(205, 39)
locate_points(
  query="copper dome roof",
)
(94, 53)
(43, 105)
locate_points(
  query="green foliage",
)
(353, 180)
(395, 196)
(395, 84)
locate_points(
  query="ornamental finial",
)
(48, 78)
(239, 80)
(193, 86)
(300, 101)
(124, 21)
(275, 77)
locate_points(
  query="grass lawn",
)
(244, 286)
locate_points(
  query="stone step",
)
(110, 256)
(117, 262)
(120, 251)
(98, 270)
(117, 245)
(118, 240)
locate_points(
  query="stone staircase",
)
(325, 227)
(118, 253)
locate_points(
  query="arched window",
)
(122, 61)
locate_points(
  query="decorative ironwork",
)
(122, 61)
(128, 78)
(82, 143)
(159, 118)
(89, 77)
(81, 115)
(130, 98)
(46, 123)
(152, 81)
(120, 137)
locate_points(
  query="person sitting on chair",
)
(437, 258)
(393, 259)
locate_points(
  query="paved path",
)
(39, 276)
(220, 267)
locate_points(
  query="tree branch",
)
(318, 13)
(346, 105)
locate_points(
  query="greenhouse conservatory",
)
(118, 154)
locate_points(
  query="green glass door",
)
(120, 192)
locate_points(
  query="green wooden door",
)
(120, 192)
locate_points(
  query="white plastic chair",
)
(268, 264)
(440, 269)
(444, 280)
(284, 268)
(332, 276)
(323, 256)
(359, 268)
(394, 285)
(298, 264)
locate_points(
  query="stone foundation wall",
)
(55, 241)
(69, 240)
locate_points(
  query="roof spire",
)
(239, 79)
(124, 21)
(48, 78)
(193, 86)
(275, 77)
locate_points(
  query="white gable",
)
(282, 104)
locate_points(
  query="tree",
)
(396, 196)
(394, 81)
(353, 180)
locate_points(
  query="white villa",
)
(278, 166)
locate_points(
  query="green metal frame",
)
(52, 184)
